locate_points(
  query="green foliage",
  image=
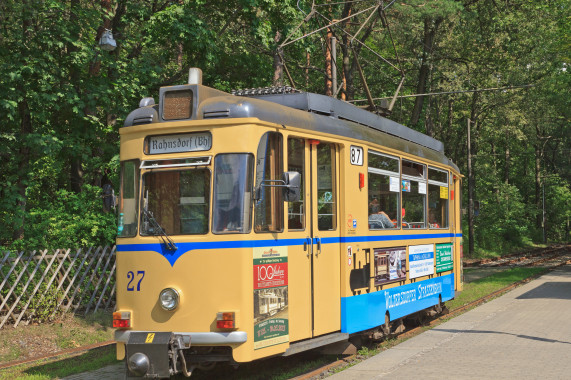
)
(69, 220)
(45, 302)
(501, 223)
(64, 99)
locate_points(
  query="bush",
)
(69, 220)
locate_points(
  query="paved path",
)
(525, 334)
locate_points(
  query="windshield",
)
(178, 200)
(233, 175)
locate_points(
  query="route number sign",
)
(356, 155)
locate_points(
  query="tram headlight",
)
(169, 299)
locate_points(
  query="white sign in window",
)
(188, 142)
(394, 184)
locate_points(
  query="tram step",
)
(310, 344)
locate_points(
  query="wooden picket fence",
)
(40, 285)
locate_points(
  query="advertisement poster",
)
(421, 260)
(271, 322)
(390, 265)
(443, 257)
(405, 186)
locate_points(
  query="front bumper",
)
(202, 338)
(152, 354)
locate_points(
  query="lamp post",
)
(107, 42)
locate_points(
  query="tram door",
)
(325, 265)
(314, 274)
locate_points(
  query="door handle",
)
(307, 243)
(318, 241)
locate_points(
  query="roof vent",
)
(265, 91)
(194, 76)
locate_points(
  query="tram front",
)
(185, 238)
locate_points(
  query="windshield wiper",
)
(156, 227)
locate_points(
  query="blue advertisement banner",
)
(366, 311)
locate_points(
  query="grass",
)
(68, 332)
(55, 369)
(41, 339)
(482, 253)
(484, 286)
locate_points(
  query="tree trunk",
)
(507, 158)
(348, 89)
(470, 195)
(538, 205)
(328, 64)
(471, 176)
(430, 27)
(23, 167)
(308, 58)
(278, 64)
(24, 150)
(76, 164)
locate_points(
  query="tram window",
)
(383, 191)
(413, 190)
(233, 180)
(269, 204)
(437, 198)
(326, 207)
(178, 200)
(127, 225)
(296, 163)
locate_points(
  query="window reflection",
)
(179, 201)
(296, 163)
(233, 175)
(326, 208)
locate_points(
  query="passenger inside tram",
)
(378, 219)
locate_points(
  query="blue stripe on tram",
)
(173, 256)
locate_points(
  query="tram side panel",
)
(376, 278)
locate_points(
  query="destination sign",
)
(188, 142)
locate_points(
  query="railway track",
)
(550, 258)
(553, 254)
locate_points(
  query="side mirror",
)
(291, 188)
(109, 199)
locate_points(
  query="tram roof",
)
(310, 111)
(328, 106)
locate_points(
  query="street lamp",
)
(107, 42)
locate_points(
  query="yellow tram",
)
(270, 222)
